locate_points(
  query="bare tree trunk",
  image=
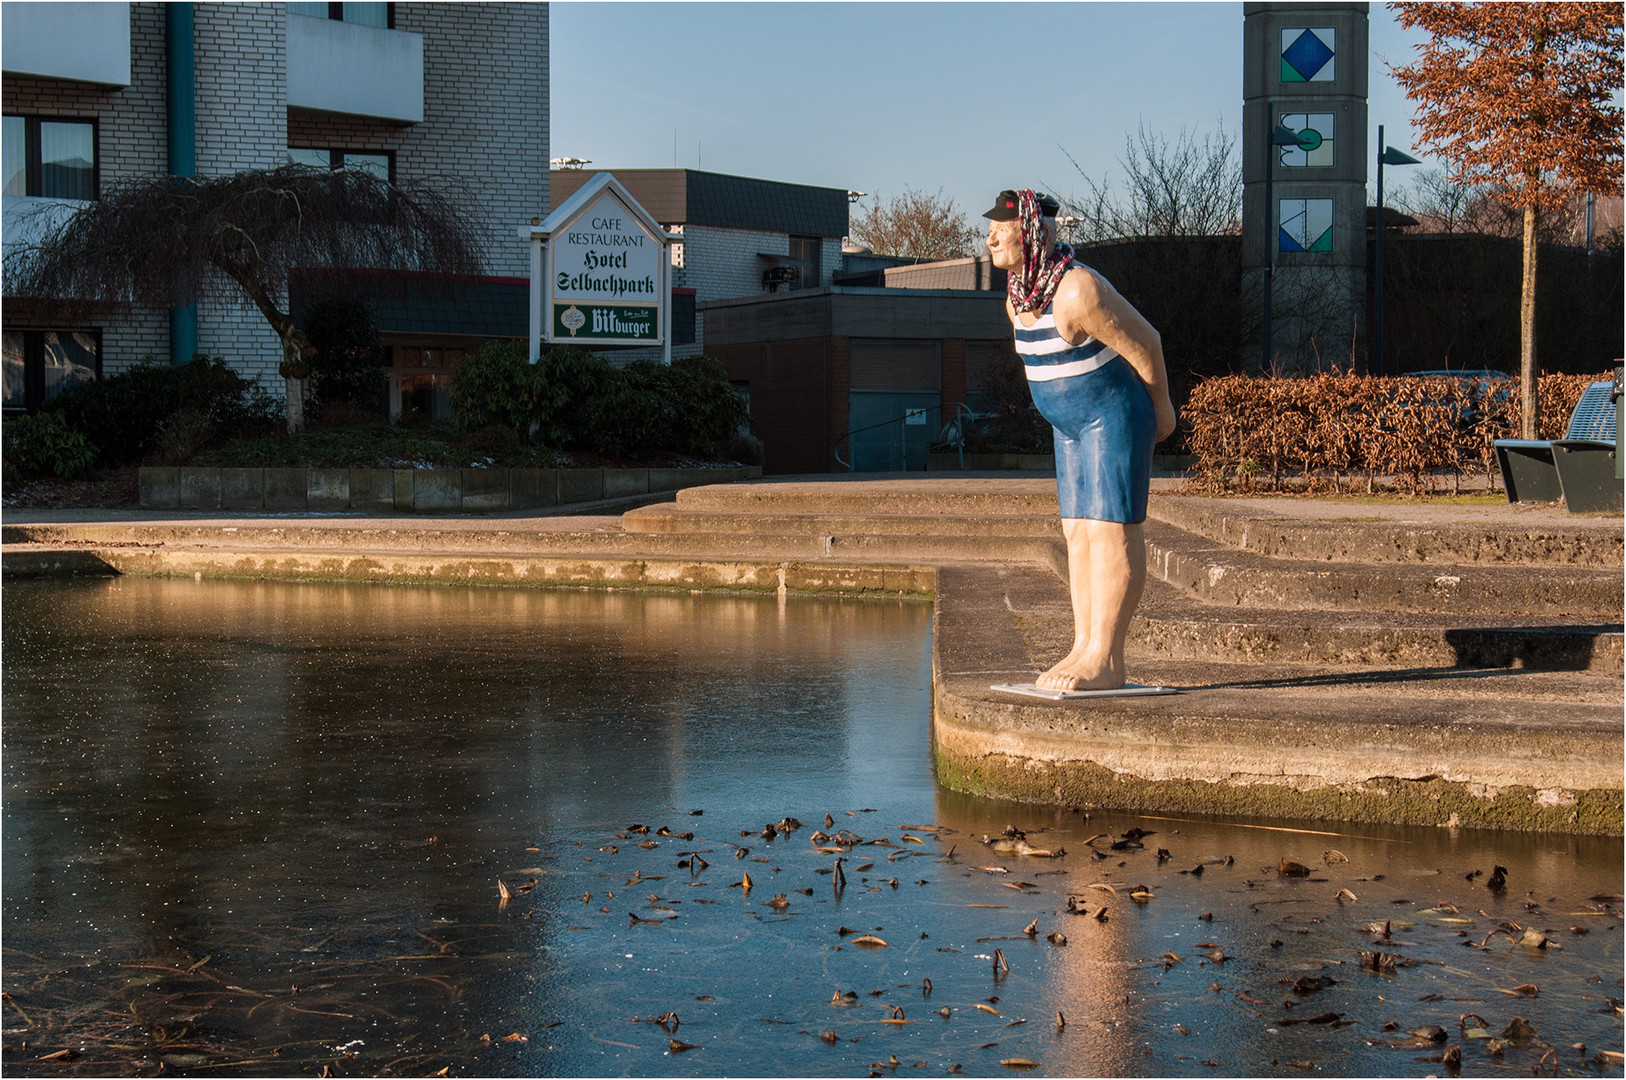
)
(1529, 415)
(295, 410)
(293, 378)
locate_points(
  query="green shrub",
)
(711, 411)
(634, 413)
(44, 445)
(573, 400)
(497, 387)
(123, 414)
(576, 393)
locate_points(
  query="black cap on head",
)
(1005, 206)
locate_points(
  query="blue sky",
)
(876, 97)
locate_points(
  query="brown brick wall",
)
(798, 399)
(953, 373)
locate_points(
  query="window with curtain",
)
(50, 157)
(36, 365)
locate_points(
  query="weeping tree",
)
(167, 241)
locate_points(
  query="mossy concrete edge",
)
(564, 571)
(1384, 800)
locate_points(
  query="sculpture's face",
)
(1005, 244)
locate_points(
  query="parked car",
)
(1487, 385)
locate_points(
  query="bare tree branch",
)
(916, 225)
(165, 241)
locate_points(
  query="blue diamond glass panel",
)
(1307, 54)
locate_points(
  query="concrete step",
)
(1490, 535)
(877, 521)
(729, 540)
(1224, 576)
(1171, 626)
(916, 494)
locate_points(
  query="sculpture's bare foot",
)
(1081, 673)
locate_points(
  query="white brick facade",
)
(485, 86)
(485, 117)
(132, 142)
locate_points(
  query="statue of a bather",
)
(1095, 369)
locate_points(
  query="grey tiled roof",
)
(691, 197)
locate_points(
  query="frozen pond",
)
(257, 829)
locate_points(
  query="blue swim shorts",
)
(1105, 431)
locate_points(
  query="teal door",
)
(891, 429)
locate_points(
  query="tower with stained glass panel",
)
(1305, 69)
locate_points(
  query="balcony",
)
(348, 68)
(84, 42)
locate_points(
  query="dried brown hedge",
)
(1331, 432)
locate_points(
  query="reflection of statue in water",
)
(1095, 369)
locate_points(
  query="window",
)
(421, 381)
(381, 163)
(379, 15)
(683, 316)
(804, 254)
(50, 157)
(39, 364)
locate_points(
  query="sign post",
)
(601, 272)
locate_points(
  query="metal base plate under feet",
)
(1126, 690)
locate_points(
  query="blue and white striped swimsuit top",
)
(1047, 356)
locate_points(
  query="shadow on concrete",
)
(1544, 648)
(1369, 678)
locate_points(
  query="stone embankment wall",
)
(407, 491)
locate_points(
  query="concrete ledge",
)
(327, 489)
(199, 488)
(991, 463)
(1314, 707)
(160, 488)
(571, 571)
(372, 490)
(581, 485)
(1368, 754)
(54, 563)
(242, 489)
(285, 489)
(409, 490)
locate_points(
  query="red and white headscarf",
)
(1034, 286)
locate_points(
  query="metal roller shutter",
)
(891, 364)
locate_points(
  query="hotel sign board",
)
(605, 271)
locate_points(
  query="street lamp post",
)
(1280, 135)
(1387, 155)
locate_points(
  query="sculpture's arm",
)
(1087, 305)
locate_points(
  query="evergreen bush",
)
(573, 400)
(495, 387)
(345, 358)
(122, 415)
(43, 444)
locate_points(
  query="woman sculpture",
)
(1095, 370)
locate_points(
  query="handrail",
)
(961, 413)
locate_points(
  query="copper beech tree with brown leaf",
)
(1520, 97)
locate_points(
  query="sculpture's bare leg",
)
(1106, 570)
